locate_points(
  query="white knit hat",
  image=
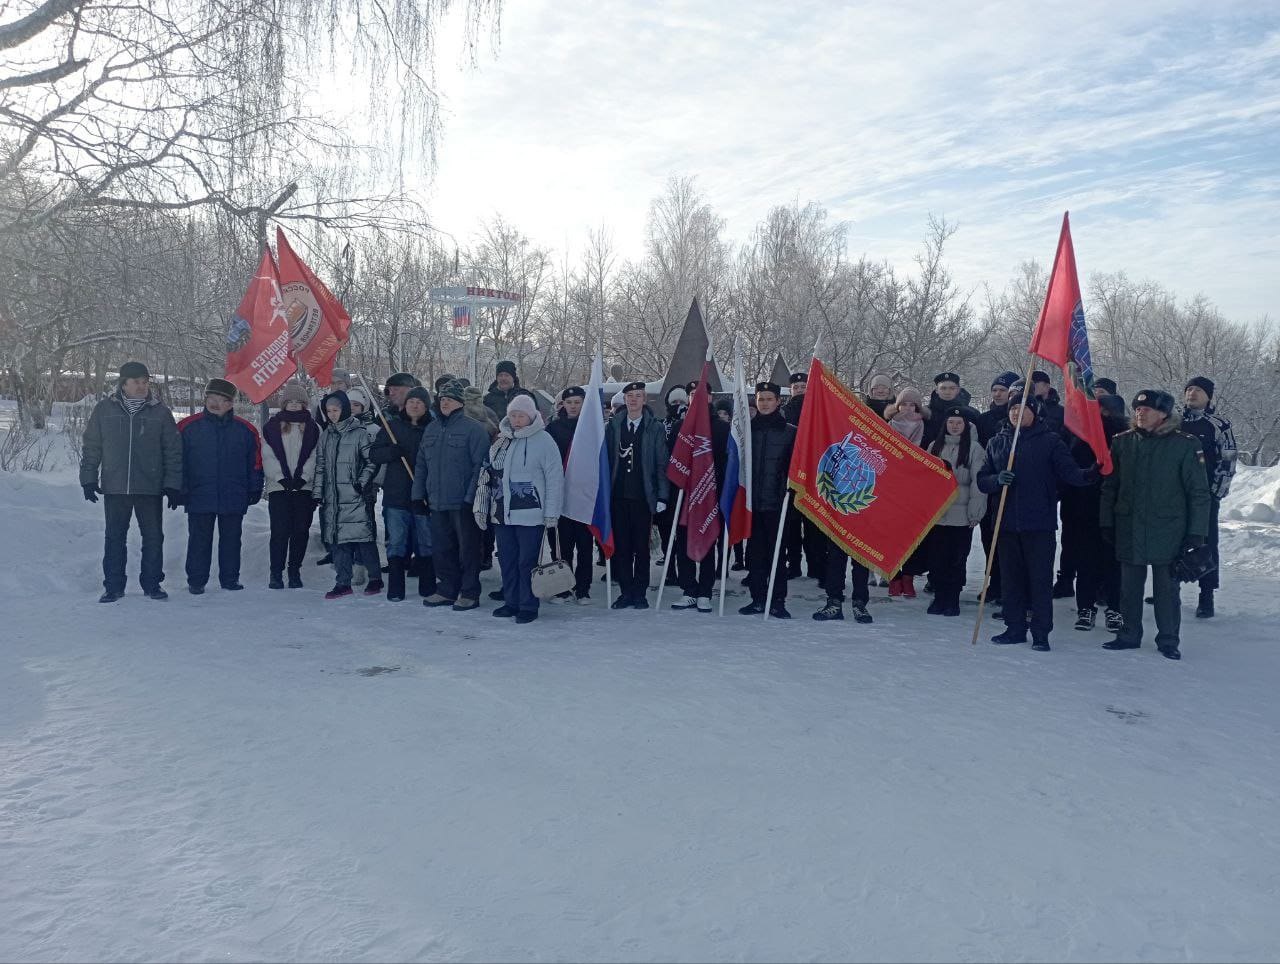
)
(358, 395)
(523, 404)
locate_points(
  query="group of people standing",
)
(464, 474)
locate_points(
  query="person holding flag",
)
(637, 466)
(735, 490)
(772, 440)
(697, 466)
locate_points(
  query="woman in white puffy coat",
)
(947, 544)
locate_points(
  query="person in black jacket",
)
(504, 387)
(772, 440)
(802, 539)
(408, 523)
(571, 539)
(990, 424)
(638, 466)
(880, 393)
(1097, 571)
(947, 394)
(1026, 543)
(132, 457)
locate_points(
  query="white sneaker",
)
(685, 602)
(704, 604)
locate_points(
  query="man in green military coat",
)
(1155, 506)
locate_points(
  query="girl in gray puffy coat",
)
(526, 492)
(947, 544)
(344, 473)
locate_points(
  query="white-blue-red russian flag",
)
(587, 482)
(735, 497)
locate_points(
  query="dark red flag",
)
(258, 359)
(692, 468)
(1062, 338)
(318, 324)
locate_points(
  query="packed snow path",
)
(266, 775)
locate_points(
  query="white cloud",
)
(1158, 124)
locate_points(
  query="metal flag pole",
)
(1004, 495)
(608, 582)
(724, 567)
(671, 541)
(777, 550)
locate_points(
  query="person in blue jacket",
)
(1027, 540)
(222, 477)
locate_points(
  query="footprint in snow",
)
(377, 670)
(1129, 716)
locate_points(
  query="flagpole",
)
(777, 549)
(1004, 495)
(608, 581)
(724, 567)
(671, 541)
(383, 418)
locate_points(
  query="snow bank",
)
(264, 775)
(1254, 496)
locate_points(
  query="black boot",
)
(1010, 637)
(426, 569)
(833, 610)
(1085, 619)
(935, 607)
(395, 579)
(1064, 588)
(275, 582)
(295, 579)
(950, 604)
(1040, 644)
(1205, 608)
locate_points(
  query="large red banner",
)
(871, 491)
(318, 324)
(692, 468)
(258, 359)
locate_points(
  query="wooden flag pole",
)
(390, 434)
(777, 550)
(1004, 496)
(671, 541)
(724, 567)
(608, 583)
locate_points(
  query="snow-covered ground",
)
(264, 775)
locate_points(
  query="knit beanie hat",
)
(1004, 379)
(442, 381)
(356, 396)
(523, 404)
(1205, 384)
(1107, 383)
(1039, 376)
(401, 379)
(1033, 402)
(452, 389)
(506, 366)
(220, 386)
(421, 394)
(880, 378)
(133, 369)
(293, 392)
(1111, 405)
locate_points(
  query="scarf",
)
(310, 435)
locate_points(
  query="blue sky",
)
(1156, 124)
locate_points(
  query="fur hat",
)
(505, 366)
(1154, 398)
(1107, 383)
(677, 396)
(294, 392)
(454, 389)
(220, 386)
(442, 381)
(400, 379)
(523, 403)
(1202, 383)
(133, 369)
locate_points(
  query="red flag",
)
(871, 491)
(692, 468)
(1062, 338)
(258, 360)
(318, 323)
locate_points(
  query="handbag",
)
(551, 578)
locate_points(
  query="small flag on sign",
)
(461, 316)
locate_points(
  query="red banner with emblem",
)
(258, 359)
(872, 492)
(318, 324)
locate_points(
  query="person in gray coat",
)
(344, 476)
(526, 492)
(450, 456)
(132, 455)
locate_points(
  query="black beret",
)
(634, 386)
(573, 391)
(957, 412)
(798, 377)
(133, 369)
(941, 377)
(768, 387)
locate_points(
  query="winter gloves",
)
(91, 492)
(1005, 477)
(174, 497)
